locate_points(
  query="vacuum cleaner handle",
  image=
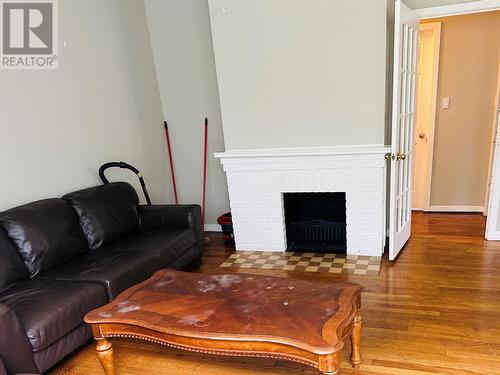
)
(123, 165)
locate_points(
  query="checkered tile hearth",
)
(304, 262)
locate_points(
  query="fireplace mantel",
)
(258, 178)
(303, 151)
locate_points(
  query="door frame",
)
(455, 10)
(446, 11)
(436, 28)
(458, 9)
(493, 193)
(493, 148)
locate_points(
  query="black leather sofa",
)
(60, 258)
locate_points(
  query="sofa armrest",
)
(173, 216)
(15, 349)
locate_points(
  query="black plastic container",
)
(226, 223)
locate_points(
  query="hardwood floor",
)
(436, 310)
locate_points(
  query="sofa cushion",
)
(117, 271)
(46, 233)
(168, 243)
(49, 309)
(106, 212)
(12, 268)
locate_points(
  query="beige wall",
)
(389, 57)
(102, 104)
(185, 67)
(469, 59)
(300, 73)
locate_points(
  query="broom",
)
(176, 198)
(203, 201)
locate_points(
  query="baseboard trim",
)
(212, 228)
(456, 209)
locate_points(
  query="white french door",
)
(493, 218)
(403, 123)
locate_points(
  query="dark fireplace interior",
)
(315, 222)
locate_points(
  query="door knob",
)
(421, 136)
(400, 156)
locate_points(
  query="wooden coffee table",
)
(236, 315)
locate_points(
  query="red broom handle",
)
(204, 174)
(176, 199)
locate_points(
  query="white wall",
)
(182, 47)
(102, 104)
(300, 73)
(414, 4)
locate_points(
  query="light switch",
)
(446, 103)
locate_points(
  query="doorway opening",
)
(456, 112)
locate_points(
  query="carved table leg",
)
(329, 365)
(356, 340)
(105, 355)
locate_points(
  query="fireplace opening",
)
(315, 222)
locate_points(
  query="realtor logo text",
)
(29, 34)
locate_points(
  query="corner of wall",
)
(390, 6)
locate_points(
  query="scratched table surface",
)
(236, 306)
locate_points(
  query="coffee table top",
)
(310, 315)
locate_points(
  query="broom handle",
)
(204, 174)
(176, 199)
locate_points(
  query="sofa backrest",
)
(106, 212)
(46, 233)
(12, 268)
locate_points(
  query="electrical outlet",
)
(446, 103)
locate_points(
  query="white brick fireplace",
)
(257, 180)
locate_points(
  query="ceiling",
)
(432, 3)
